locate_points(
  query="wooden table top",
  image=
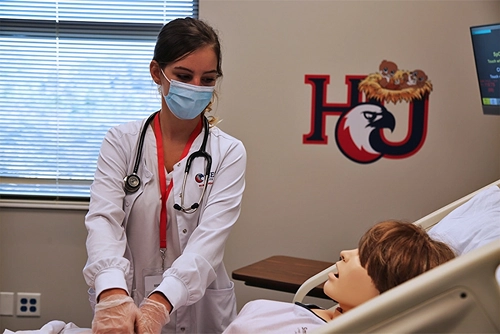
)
(282, 273)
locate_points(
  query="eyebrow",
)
(188, 70)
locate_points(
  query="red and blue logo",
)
(199, 178)
(359, 132)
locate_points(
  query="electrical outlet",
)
(28, 304)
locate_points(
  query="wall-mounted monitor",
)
(486, 47)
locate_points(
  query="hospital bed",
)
(462, 295)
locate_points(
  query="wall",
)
(43, 250)
(302, 200)
(310, 200)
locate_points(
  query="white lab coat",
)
(123, 229)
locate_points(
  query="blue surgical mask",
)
(187, 101)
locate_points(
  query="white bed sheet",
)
(54, 327)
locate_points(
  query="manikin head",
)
(388, 254)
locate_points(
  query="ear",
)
(154, 70)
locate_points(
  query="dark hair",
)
(182, 36)
(393, 252)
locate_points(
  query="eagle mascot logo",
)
(199, 178)
(359, 132)
(355, 127)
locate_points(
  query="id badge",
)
(152, 279)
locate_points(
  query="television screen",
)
(486, 47)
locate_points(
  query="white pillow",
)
(473, 224)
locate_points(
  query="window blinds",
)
(70, 70)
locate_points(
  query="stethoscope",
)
(133, 181)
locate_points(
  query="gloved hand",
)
(153, 316)
(115, 314)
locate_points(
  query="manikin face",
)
(351, 286)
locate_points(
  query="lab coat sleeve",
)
(190, 275)
(106, 266)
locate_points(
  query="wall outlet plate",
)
(28, 304)
(6, 303)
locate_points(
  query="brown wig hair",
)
(393, 252)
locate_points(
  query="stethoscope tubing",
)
(201, 153)
(133, 181)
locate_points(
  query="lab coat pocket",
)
(216, 310)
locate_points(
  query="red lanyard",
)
(163, 178)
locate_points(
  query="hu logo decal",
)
(359, 132)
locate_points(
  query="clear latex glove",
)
(153, 316)
(115, 314)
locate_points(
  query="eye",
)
(209, 81)
(184, 77)
(371, 116)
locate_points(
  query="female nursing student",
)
(155, 258)
(389, 253)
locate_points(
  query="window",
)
(70, 70)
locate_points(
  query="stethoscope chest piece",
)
(132, 182)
